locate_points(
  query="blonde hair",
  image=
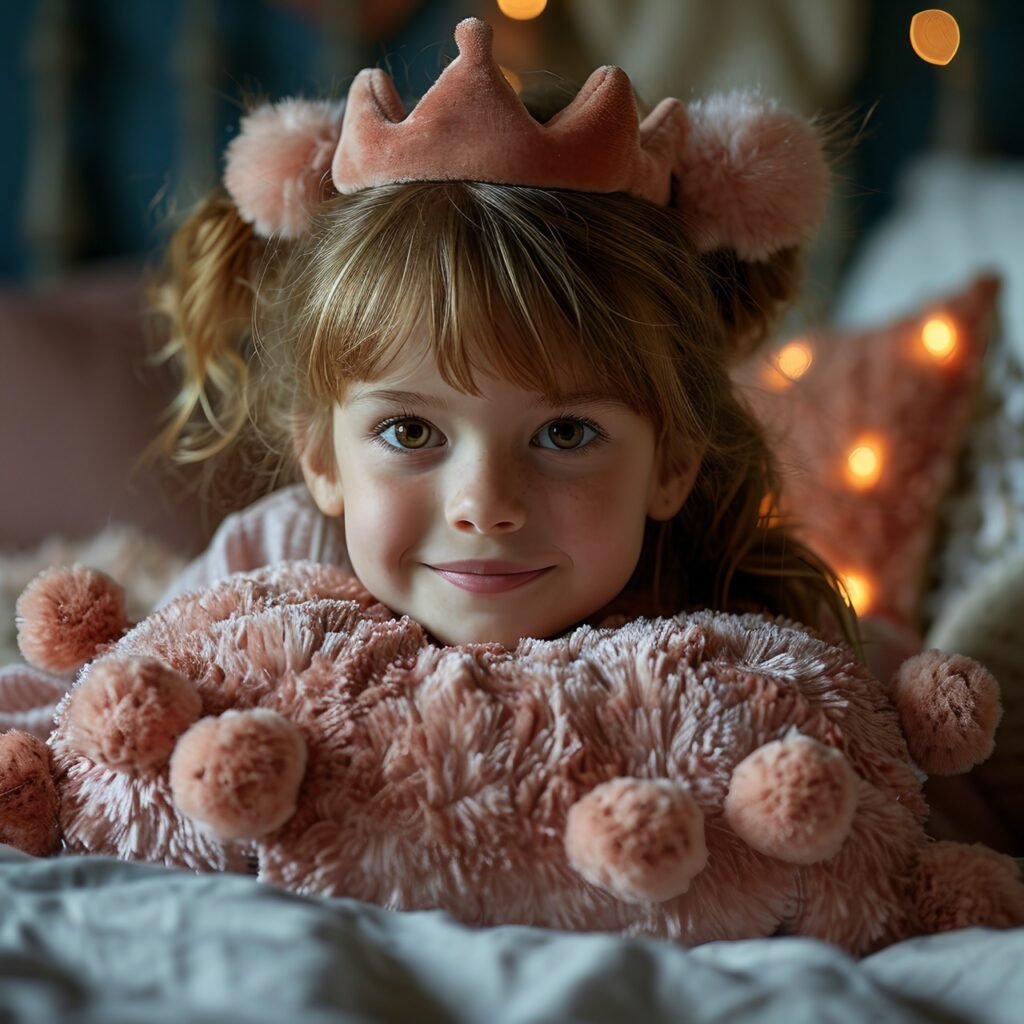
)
(551, 289)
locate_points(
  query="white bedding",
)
(88, 940)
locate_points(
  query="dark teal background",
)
(126, 93)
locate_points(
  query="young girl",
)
(497, 352)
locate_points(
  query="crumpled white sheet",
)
(87, 940)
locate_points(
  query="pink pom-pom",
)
(28, 797)
(949, 708)
(641, 839)
(239, 775)
(793, 799)
(64, 615)
(750, 177)
(276, 164)
(957, 886)
(127, 713)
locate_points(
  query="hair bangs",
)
(497, 280)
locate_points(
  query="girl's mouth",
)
(489, 583)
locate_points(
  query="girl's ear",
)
(670, 490)
(322, 480)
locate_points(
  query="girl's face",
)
(490, 518)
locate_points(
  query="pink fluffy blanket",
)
(701, 777)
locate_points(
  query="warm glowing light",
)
(790, 363)
(938, 335)
(794, 359)
(935, 36)
(522, 10)
(859, 590)
(512, 78)
(864, 463)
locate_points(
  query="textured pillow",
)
(868, 435)
(952, 219)
(700, 777)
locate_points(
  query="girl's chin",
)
(500, 634)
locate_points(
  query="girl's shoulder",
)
(283, 526)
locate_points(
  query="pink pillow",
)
(868, 433)
(78, 404)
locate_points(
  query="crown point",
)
(378, 89)
(474, 39)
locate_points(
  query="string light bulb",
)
(788, 364)
(522, 10)
(864, 462)
(858, 589)
(939, 337)
(794, 359)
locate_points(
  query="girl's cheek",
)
(388, 512)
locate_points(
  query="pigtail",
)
(205, 294)
(751, 296)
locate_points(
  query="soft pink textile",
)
(576, 783)
(275, 166)
(471, 126)
(28, 699)
(283, 526)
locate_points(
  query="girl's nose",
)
(486, 497)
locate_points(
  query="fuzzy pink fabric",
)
(953, 734)
(277, 164)
(794, 799)
(132, 713)
(28, 797)
(59, 627)
(754, 178)
(578, 783)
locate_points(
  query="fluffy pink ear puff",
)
(276, 164)
(749, 176)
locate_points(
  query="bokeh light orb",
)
(794, 359)
(864, 461)
(939, 337)
(935, 36)
(859, 590)
(521, 10)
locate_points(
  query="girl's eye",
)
(411, 434)
(568, 434)
(408, 433)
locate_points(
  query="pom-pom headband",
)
(745, 175)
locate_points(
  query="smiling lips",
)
(487, 577)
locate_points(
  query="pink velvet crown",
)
(745, 175)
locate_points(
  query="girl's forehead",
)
(429, 386)
(416, 367)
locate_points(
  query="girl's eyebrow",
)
(552, 400)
